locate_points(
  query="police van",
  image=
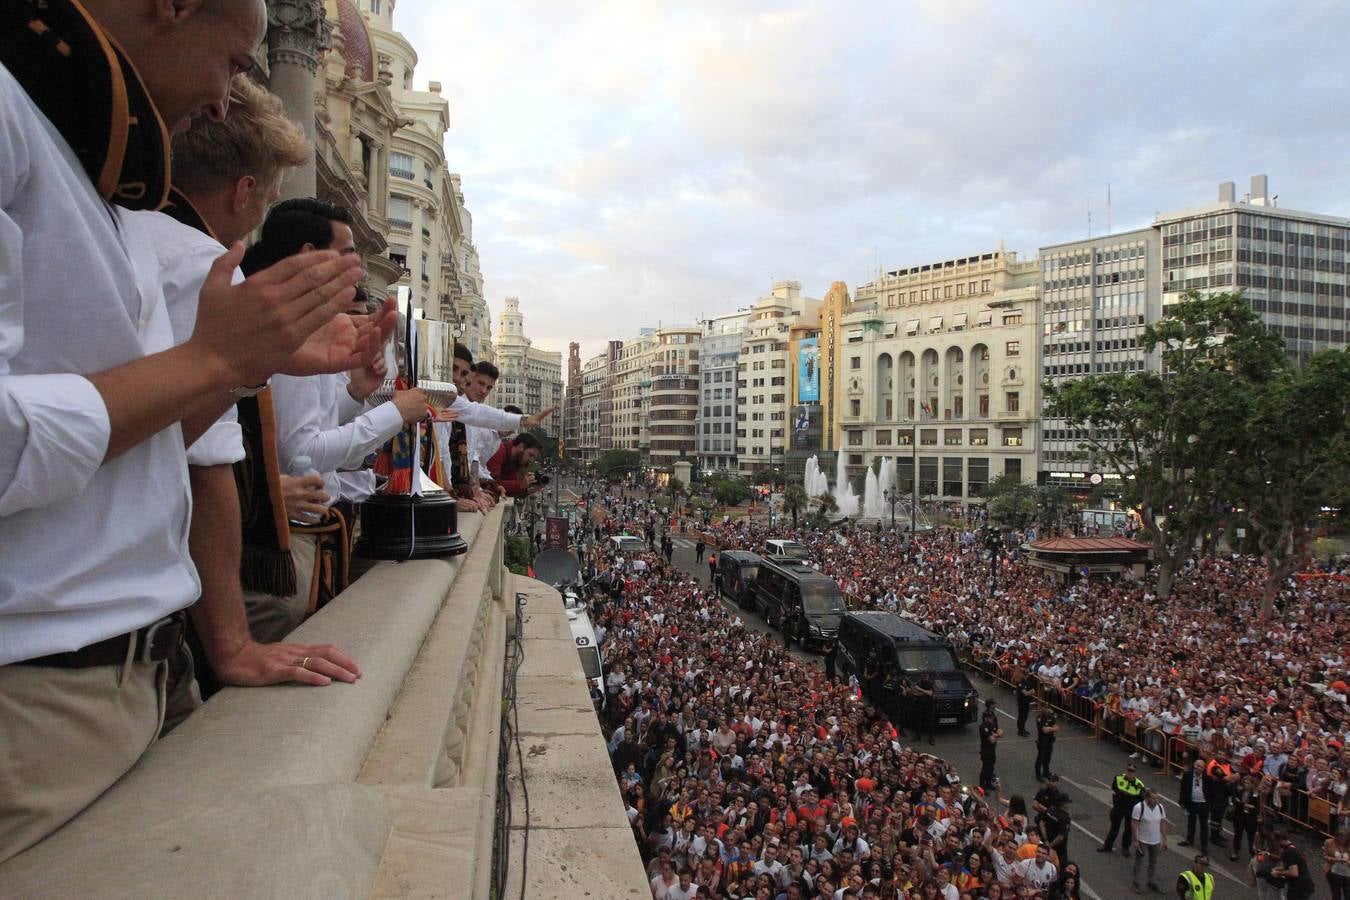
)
(793, 597)
(901, 651)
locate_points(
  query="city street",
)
(1085, 766)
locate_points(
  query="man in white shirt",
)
(96, 402)
(1037, 872)
(319, 418)
(1148, 822)
(227, 173)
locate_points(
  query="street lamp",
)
(893, 497)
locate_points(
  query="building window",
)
(855, 362)
(984, 406)
(977, 471)
(401, 165)
(1013, 348)
(928, 437)
(979, 437)
(1012, 318)
(1013, 467)
(951, 437)
(400, 212)
(855, 408)
(883, 438)
(1013, 401)
(855, 438)
(1012, 437)
(952, 482)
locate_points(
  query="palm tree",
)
(794, 501)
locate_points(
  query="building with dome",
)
(346, 76)
(531, 378)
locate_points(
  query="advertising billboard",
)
(808, 370)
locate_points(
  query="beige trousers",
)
(271, 618)
(65, 736)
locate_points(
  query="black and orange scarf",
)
(85, 85)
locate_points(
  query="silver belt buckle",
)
(148, 642)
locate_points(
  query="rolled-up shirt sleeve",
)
(221, 445)
(54, 428)
(300, 430)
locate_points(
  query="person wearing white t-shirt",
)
(1037, 872)
(1148, 822)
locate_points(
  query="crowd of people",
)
(1262, 701)
(1268, 695)
(749, 774)
(186, 428)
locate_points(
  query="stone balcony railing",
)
(384, 788)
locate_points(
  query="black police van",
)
(736, 570)
(899, 652)
(797, 599)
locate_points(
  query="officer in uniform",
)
(925, 707)
(1046, 728)
(1026, 695)
(1126, 791)
(989, 735)
(1196, 883)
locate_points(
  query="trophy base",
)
(403, 526)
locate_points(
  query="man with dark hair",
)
(322, 425)
(97, 404)
(510, 463)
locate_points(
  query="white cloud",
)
(635, 162)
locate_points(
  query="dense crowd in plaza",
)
(1202, 664)
(1262, 700)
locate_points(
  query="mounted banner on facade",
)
(808, 371)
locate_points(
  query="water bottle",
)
(306, 467)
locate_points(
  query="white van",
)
(624, 544)
(583, 634)
(789, 548)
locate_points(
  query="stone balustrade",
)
(384, 788)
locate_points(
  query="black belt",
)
(153, 643)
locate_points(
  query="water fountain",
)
(816, 483)
(844, 497)
(874, 490)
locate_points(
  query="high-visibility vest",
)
(1224, 770)
(1126, 785)
(1199, 890)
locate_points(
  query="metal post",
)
(914, 500)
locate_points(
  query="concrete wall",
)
(382, 788)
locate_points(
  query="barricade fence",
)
(1169, 754)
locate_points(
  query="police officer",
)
(1047, 726)
(1126, 791)
(989, 735)
(1026, 695)
(925, 707)
(1196, 883)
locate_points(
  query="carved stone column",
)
(297, 33)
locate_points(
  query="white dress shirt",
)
(316, 417)
(185, 257)
(483, 443)
(91, 550)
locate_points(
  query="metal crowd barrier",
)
(1170, 755)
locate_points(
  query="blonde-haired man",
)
(227, 173)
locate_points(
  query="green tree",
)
(614, 461)
(794, 501)
(730, 491)
(1291, 459)
(1167, 433)
(1052, 502)
(1011, 501)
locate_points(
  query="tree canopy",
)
(1222, 418)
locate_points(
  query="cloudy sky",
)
(634, 163)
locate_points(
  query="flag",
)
(928, 410)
